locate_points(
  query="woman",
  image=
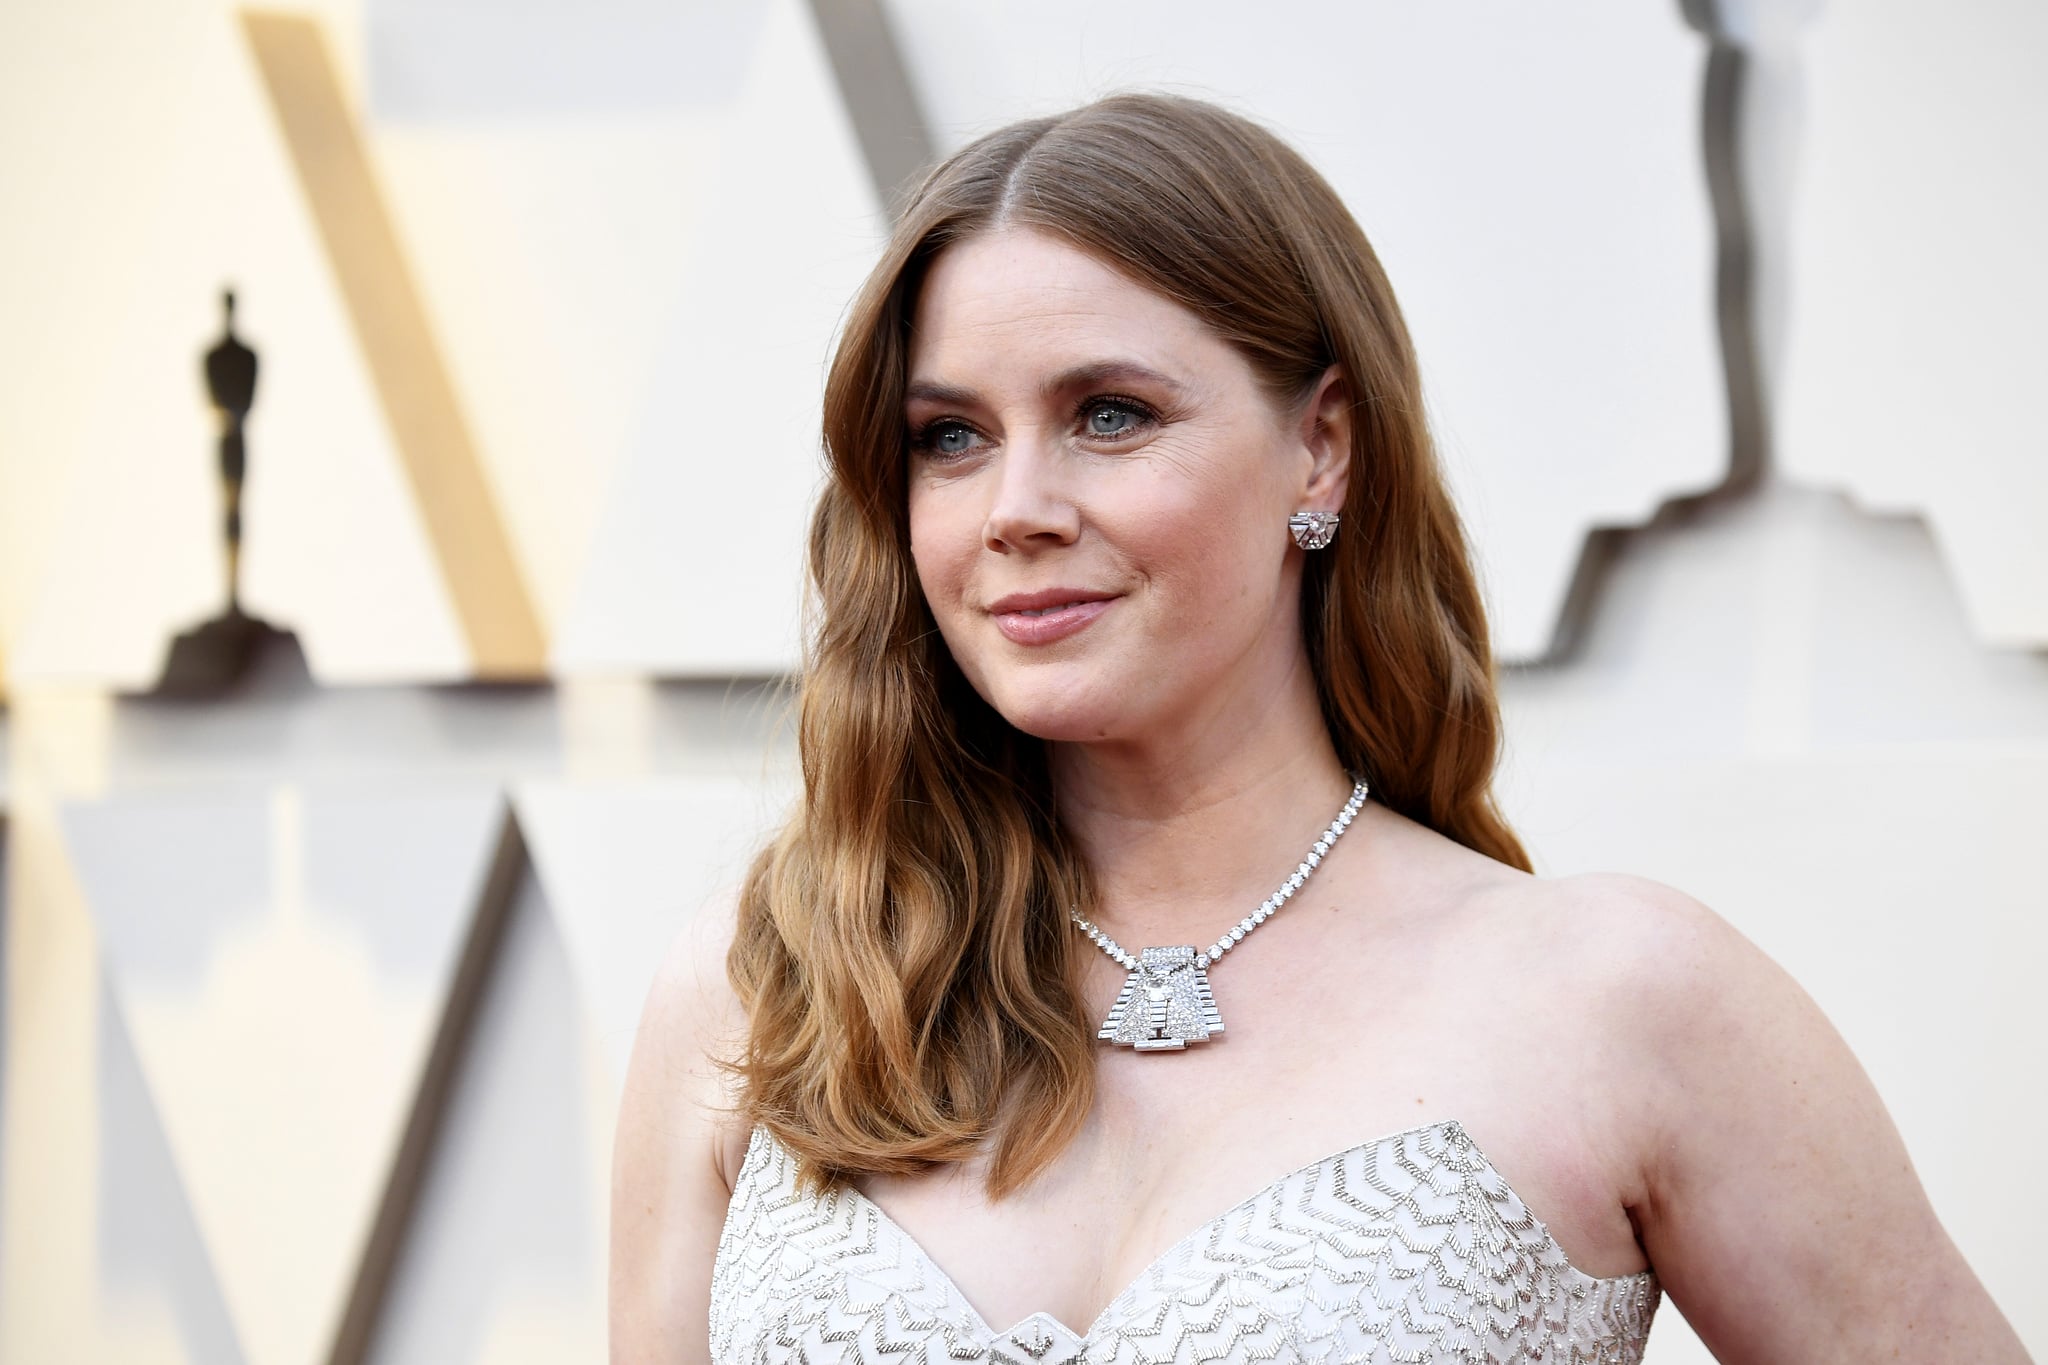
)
(1133, 562)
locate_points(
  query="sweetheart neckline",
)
(916, 1248)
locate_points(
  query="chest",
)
(1335, 1055)
(1405, 1247)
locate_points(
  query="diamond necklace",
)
(1166, 1003)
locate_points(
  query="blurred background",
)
(392, 662)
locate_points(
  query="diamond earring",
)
(1313, 530)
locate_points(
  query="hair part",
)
(902, 949)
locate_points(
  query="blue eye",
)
(943, 439)
(1114, 417)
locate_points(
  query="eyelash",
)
(1138, 410)
(923, 441)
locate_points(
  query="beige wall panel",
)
(150, 1249)
(1530, 176)
(1780, 710)
(551, 255)
(1916, 289)
(696, 567)
(549, 167)
(87, 94)
(627, 866)
(504, 1260)
(501, 630)
(184, 185)
(68, 1289)
(283, 953)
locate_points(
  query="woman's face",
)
(1099, 491)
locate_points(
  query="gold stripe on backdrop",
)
(445, 473)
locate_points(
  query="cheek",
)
(1215, 546)
(936, 550)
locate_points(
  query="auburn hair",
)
(902, 947)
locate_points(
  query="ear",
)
(1326, 432)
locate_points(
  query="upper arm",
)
(669, 1193)
(1782, 1214)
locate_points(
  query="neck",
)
(1185, 833)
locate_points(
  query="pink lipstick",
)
(1039, 618)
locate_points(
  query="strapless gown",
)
(1410, 1247)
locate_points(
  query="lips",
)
(1039, 618)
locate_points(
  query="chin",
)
(1061, 715)
(1060, 730)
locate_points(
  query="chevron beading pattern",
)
(1407, 1248)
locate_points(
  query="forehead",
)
(1016, 296)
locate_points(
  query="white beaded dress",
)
(1407, 1248)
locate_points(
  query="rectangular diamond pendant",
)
(1165, 1003)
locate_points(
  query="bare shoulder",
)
(675, 1150)
(690, 1023)
(1643, 943)
(1704, 1018)
(1630, 977)
(1778, 1204)
(1613, 936)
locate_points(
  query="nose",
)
(1031, 507)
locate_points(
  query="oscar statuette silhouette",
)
(209, 658)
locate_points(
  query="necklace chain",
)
(1235, 934)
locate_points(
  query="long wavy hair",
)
(902, 948)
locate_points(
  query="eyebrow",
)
(1095, 372)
